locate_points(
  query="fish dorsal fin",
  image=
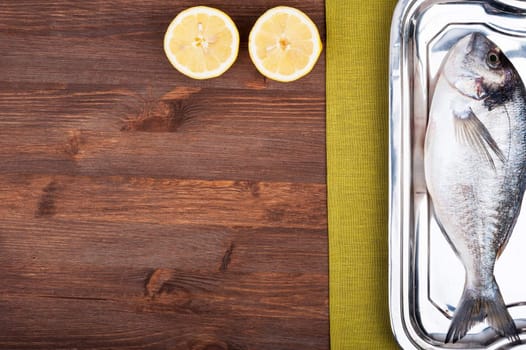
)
(472, 132)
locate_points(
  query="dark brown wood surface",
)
(140, 209)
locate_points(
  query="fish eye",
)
(493, 59)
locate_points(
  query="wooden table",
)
(140, 209)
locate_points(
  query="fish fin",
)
(471, 131)
(474, 308)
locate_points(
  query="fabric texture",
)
(357, 149)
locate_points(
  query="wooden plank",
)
(117, 245)
(172, 291)
(53, 323)
(120, 42)
(166, 201)
(103, 108)
(131, 19)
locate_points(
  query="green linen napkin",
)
(357, 146)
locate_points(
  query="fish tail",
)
(475, 307)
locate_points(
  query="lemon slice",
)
(284, 44)
(201, 42)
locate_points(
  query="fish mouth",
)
(478, 90)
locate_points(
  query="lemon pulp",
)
(284, 44)
(201, 42)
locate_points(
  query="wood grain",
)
(201, 133)
(140, 209)
(167, 201)
(119, 42)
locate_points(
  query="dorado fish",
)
(475, 169)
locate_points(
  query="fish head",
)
(477, 68)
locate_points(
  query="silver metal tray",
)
(426, 277)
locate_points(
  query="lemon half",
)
(284, 44)
(201, 42)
